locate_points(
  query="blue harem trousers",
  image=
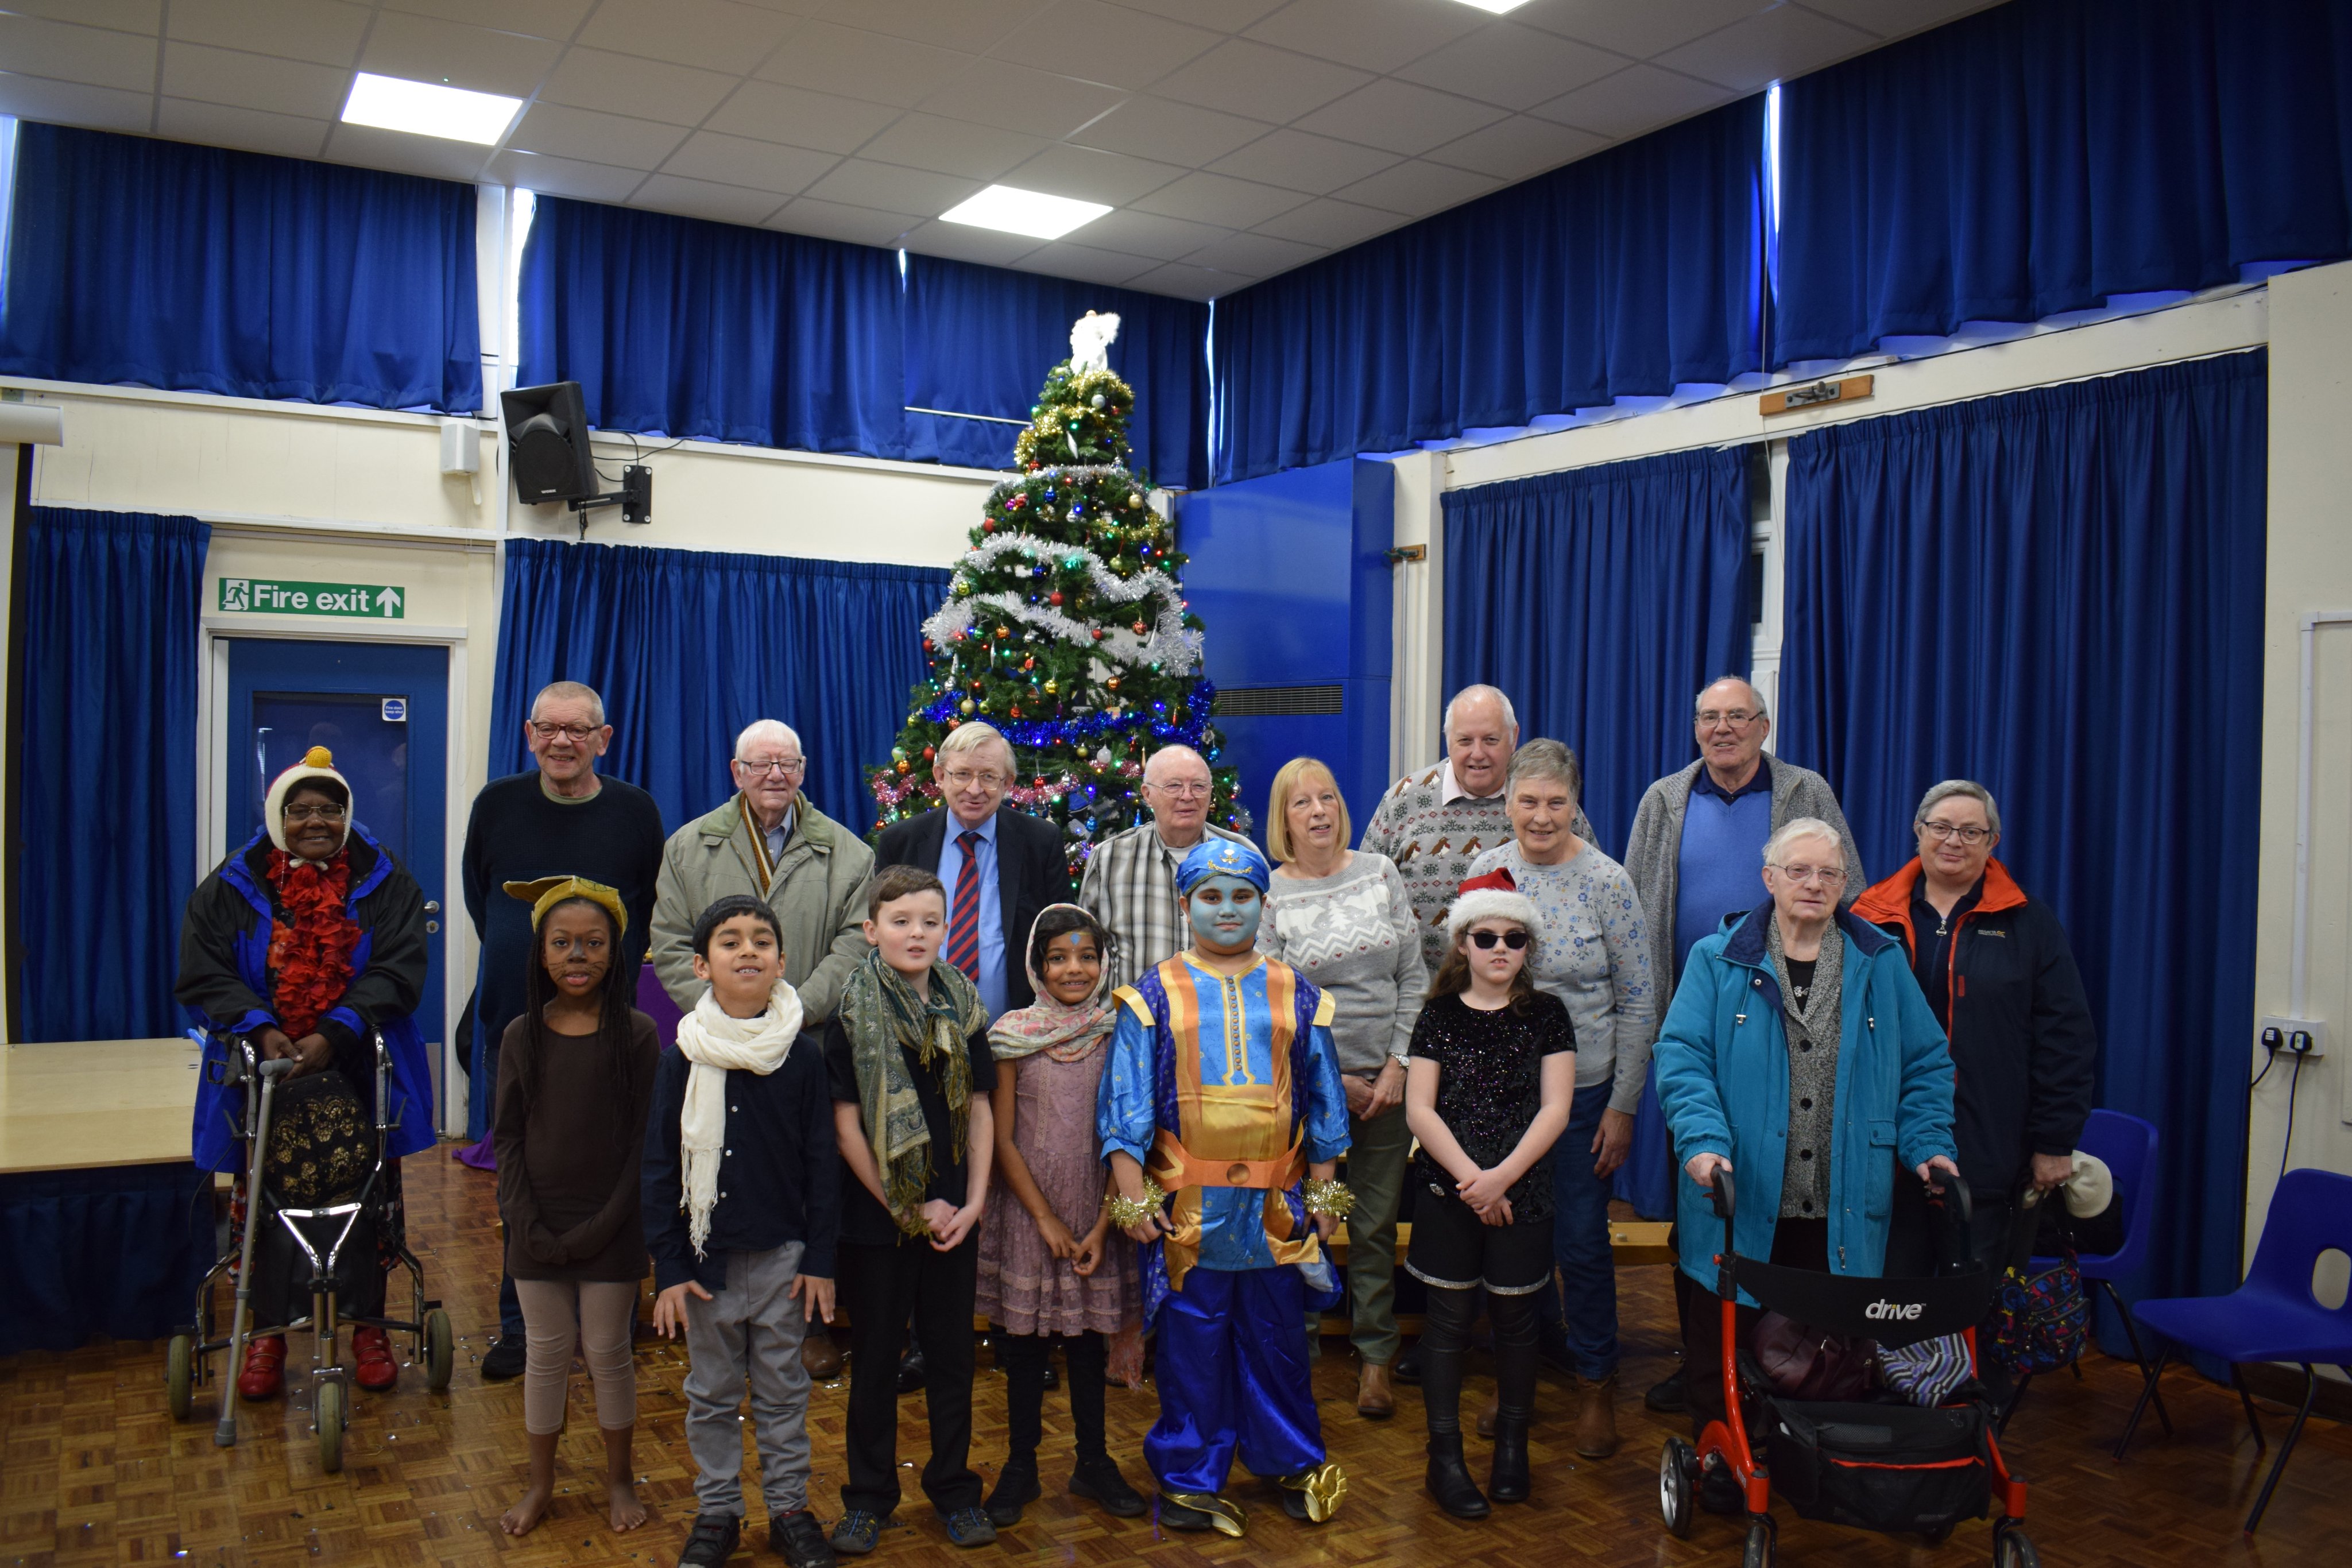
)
(1232, 1372)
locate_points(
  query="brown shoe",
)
(821, 1357)
(1596, 1422)
(1486, 1417)
(1375, 1401)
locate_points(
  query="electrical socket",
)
(2293, 1031)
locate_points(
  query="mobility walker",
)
(1882, 1466)
(321, 1232)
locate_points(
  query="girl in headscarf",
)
(1049, 1268)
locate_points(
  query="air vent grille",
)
(1258, 702)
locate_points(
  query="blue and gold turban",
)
(1222, 857)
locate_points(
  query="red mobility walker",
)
(1884, 1467)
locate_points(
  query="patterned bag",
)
(2039, 1319)
(1927, 1373)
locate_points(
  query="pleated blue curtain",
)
(2045, 155)
(1601, 600)
(980, 339)
(688, 646)
(678, 327)
(2059, 593)
(197, 269)
(1623, 275)
(109, 604)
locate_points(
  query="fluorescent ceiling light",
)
(1030, 213)
(1497, 6)
(428, 108)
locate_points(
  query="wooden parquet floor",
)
(94, 1471)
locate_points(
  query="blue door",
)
(382, 708)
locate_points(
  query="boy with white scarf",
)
(741, 1210)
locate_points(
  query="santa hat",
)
(318, 763)
(1493, 896)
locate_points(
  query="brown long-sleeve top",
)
(569, 1159)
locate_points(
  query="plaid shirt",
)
(1130, 887)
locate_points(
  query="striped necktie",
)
(964, 923)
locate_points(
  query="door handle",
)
(431, 926)
(432, 906)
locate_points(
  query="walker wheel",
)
(329, 1419)
(2011, 1549)
(1760, 1537)
(1676, 1463)
(440, 1351)
(180, 1375)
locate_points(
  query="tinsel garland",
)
(1169, 645)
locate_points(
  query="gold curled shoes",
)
(1201, 1510)
(1314, 1496)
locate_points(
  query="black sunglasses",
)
(1513, 940)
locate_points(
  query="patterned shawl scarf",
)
(881, 1014)
(1064, 1032)
(311, 947)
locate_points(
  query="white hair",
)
(1951, 787)
(1754, 694)
(1178, 749)
(572, 691)
(971, 736)
(1472, 694)
(768, 729)
(1802, 828)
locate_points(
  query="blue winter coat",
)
(224, 982)
(1723, 1081)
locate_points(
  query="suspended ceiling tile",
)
(1259, 255)
(1303, 163)
(1512, 66)
(324, 32)
(831, 220)
(557, 19)
(862, 183)
(1417, 188)
(254, 81)
(1401, 117)
(564, 176)
(1180, 132)
(705, 199)
(422, 48)
(1189, 282)
(716, 34)
(1150, 235)
(1897, 19)
(650, 90)
(1772, 47)
(65, 52)
(833, 58)
(1223, 16)
(1060, 258)
(1249, 79)
(1106, 43)
(963, 242)
(74, 103)
(219, 125)
(595, 137)
(1642, 29)
(1371, 35)
(1637, 99)
(1205, 198)
(952, 146)
(1517, 147)
(802, 118)
(1329, 225)
(971, 25)
(434, 157)
(756, 165)
(1062, 170)
(1019, 98)
(122, 16)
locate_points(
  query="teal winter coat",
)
(1723, 1081)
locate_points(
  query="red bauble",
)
(929, 752)
(1100, 634)
(1055, 597)
(988, 525)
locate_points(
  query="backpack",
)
(2039, 1319)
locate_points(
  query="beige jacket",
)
(818, 892)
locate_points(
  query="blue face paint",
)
(1224, 912)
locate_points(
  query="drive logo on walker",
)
(267, 596)
(1901, 1312)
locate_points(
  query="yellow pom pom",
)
(318, 757)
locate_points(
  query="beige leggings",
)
(597, 1311)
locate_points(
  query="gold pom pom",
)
(318, 757)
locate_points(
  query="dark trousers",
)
(1023, 1358)
(881, 1287)
(1445, 1346)
(1796, 1244)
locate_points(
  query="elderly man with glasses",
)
(1130, 879)
(559, 818)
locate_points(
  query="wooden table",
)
(95, 1103)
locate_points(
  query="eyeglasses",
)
(1737, 717)
(964, 778)
(1513, 940)
(314, 814)
(789, 768)
(1827, 875)
(1189, 789)
(547, 729)
(1942, 831)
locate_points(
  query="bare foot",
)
(525, 1514)
(628, 1511)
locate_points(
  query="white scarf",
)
(715, 1041)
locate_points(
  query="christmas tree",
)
(1065, 627)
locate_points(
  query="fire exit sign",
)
(269, 596)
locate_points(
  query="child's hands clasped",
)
(1485, 1194)
(950, 1224)
(1088, 1255)
(670, 1308)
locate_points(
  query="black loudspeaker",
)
(547, 443)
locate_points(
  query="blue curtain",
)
(108, 603)
(980, 339)
(192, 269)
(688, 646)
(116, 1250)
(1621, 275)
(1601, 600)
(682, 328)
(2059, 593)
(2041, 156)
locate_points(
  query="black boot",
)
(1509, 1483)
(1449, 1479)
(1515, 1393)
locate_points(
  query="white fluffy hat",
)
(317, 763)
(1493, 896)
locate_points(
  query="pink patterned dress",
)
(1024, 1288)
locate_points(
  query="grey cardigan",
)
(1653, 854)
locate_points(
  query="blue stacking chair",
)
(2274, 1316)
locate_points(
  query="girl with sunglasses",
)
(1492, 1067)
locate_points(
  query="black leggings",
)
(1023, 1356)
(1446, 1345)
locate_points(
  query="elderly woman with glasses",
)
(2000, 979)
(1800, 1063)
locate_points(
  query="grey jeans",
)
(748, 1332)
